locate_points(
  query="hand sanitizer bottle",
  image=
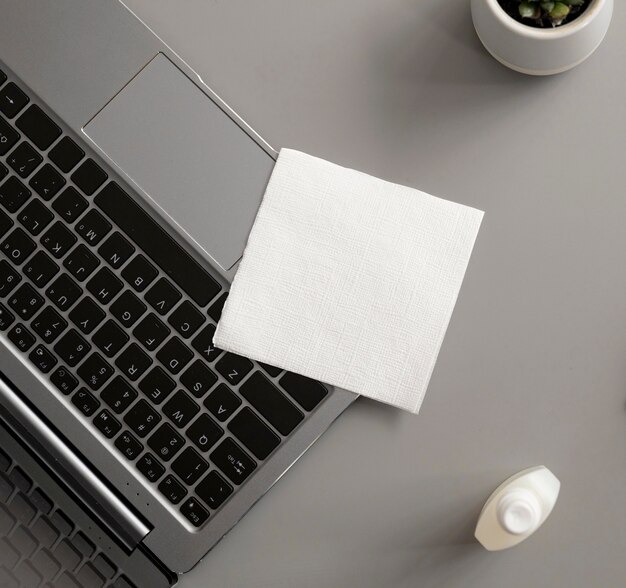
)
(517, 508)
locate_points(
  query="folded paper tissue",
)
(348, 279)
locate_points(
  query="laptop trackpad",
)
(203, 172)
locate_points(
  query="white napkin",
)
(348, 279)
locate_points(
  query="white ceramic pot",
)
(536, 51)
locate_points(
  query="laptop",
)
(129, 444)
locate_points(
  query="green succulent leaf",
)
(528, 9)
(549, 11)
(559, 12)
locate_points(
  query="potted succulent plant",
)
(541, 37)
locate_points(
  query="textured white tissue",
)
(349, 279)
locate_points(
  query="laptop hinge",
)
(71, 470)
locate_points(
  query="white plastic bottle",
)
(517, 508)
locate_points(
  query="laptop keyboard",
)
(40, 545)
(121, 319)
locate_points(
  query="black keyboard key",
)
(9, 278)
(42, 502)
(8, 136)
(271, 370)
(21, 479)
(180, 409)
(3, 77)
(128, 445)
(271, 403)
(157, 244)
(139, 273)
(64, 380)
(66, 154)
(222, 402)
(3, 171)
(133, 362)
(157, 385)
(174, 355)
(128, 308)
(21, 337)
(13, 194)
(43, 360)
(110, 338)
(189, 466)
(49, 324)
(35, 217)
(118, 394)
(306, 392)
(172, 489)
(84, 546)
(253, 433)
(194, 512)
(162, 296)
(81, 262)
(6, 317)
(186, 319)
(234, 367)
(63, 292)
(107, 424)
(40, 269)
(5, 464)
(204, 432)
(87, 315)
(142, 418)
(24, 159)
(86, 402)
(89, 176)
(17, 246)
(25, 301)
(198, 378)
(47, 182)
(5, 223)
(151, 332)
(203, 344)
(116, 250)
(12, 100)
(233, 461)
(214, 490)
(93, 227)
(150, 467)
(60, 522)
(38, 127)
(58, 239)
(69, 204)
(166, 442)
(104, 285)
(72, 348)
(215, 310)
(95, 371)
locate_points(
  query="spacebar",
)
(157, 244)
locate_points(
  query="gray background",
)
(533, 367)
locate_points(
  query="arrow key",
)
(12, 100)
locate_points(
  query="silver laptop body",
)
(165, 139)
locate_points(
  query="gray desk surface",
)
(533, 368)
